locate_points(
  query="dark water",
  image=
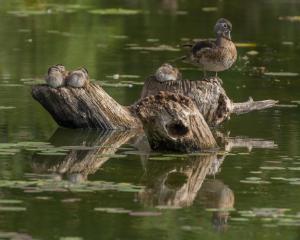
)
(74, 184)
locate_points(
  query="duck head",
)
(58, 68)
(84, 72)
(223, 28)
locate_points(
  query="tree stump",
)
(208, 95)
(173, 122)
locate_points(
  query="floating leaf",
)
(10, 201)
(255, 181)
(6, 107)
(115, 11)
(290, 18)
(281, 74)
(43, 198)
(26, 13)
(167, 207)
(239, 219)
(70, 238)
(209, 9)
(162, 158)
(71, 200)
(294, 168)
(269, 212)
(219, 209)
(51, 185)
(245, 45)
(112, 210)
(145, 214)
(272, 168)
(11, 209)
(252, 53)
(287, 43)
(155, 48)
(50, 153)
(152, 40)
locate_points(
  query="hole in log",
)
(177, 129)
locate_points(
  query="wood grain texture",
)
(89, 107)
(172, 122)
(208, 95)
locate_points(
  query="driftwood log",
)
(207, 104)
(89, 107)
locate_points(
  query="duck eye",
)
(225, 25)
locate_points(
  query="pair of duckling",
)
(58, 76)
(209, 55)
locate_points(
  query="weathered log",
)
(208, 95)
(173, 122)
(89, 107)
(92, 107)
(176, 120)
(250, 105)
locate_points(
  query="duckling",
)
(56, 76)
(214, 55)
(167, 72)
(78, 78)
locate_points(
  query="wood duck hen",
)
(78, 78)
(214, 55)
(56, 76)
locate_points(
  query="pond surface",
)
(74, 184)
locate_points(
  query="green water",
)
(74, 184)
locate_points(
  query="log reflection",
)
(178, 186)
(89, 151)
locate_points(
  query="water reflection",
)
(173, 185)
(89, 150)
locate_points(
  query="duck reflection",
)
(216, 195)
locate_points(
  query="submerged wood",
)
(89, 107)
(173, 122)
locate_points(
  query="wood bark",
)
(89, 107)
(209, 97)
(172, 122)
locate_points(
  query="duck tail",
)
(182, 58)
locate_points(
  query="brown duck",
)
(167, 72)
(78, 78)
(56, 76)
(214, 55)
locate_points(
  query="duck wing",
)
(198, 47)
